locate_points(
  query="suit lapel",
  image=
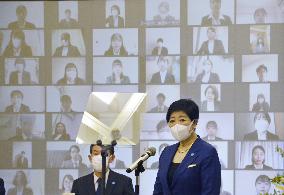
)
(91, 184)
(111, 182)
(188, 159)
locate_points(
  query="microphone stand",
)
(104, 153)
(140, 169)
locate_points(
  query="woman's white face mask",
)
(181, 132)
(97, 163)
(261, 125)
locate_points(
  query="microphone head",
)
(99, 142)
(151, 151)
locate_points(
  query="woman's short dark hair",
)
(262, 178)
(74, 146)
(160, 40)
(117, 62)
(116, 7)
(188, 106)
(16, 93)
(260, 96)
(212, 124)
(262, 66)
(254, 148)
(266, 115)
(70, 177)
(211, 29)
(214, 89)
(24, 179)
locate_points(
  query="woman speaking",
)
(191, 166)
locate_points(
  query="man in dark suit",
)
(116, 184)
(163, 76)
(211, 129)
(21, 161)
(216, 17)
(16, 100)
(2, 187)
(212, 45)
(262, 122)
(160, 49)
(68, 22)
(20, 76)
(66, 49)
(161, 107)
(74, 159)
(21, 12)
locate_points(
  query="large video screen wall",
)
(227, 55)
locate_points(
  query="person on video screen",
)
(261, 105)
(164, 18)
(207, 76)
(74, 160)
(20, 182)
(116, 47)
(215, 17)
(66, 103)
(115, 20)
(117, 76)
(163, 76)
(261, 72)
(21, 12)
(211, 103)
(21, 161)
(68, 21)
(160, 49)
(258, 159)
(260, 45)
(66, 48)
(70, 76)
(262, 185)
(17, 46)
(260, 16)
(212, 45)
(67, 184)
(161, 107)
(212, 129)
(262, 122)
(16, 102)
(20, 76)
(60, 132)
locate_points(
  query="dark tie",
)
(100, 187)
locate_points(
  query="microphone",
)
(149, 152)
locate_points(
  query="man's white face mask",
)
(97, 163)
